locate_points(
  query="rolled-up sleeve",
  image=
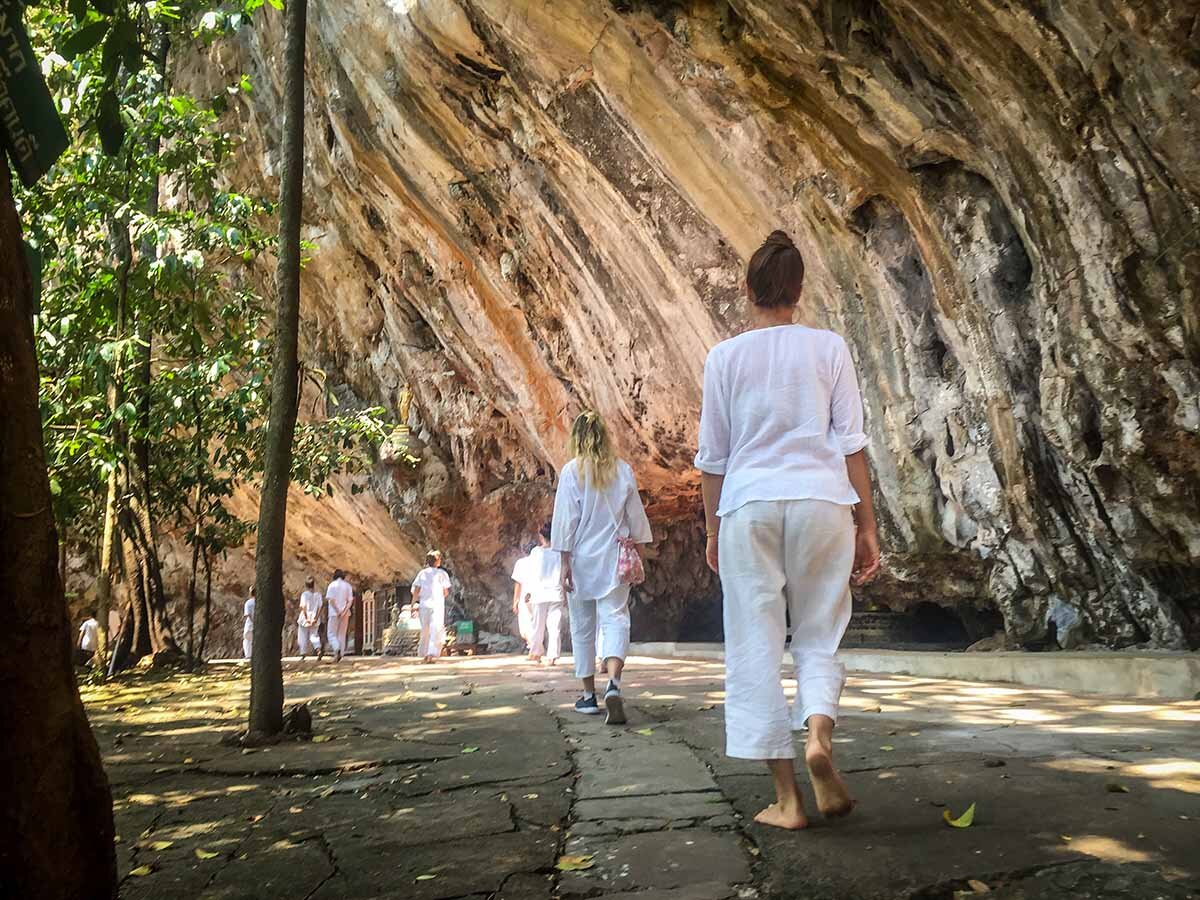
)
(713, 454)
(846, 409)
(567, 512)
(635, 515)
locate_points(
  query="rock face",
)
(521, 209)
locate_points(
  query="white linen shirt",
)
(541, 575)
(781, 413)
(340, 595)
(435, 585)
(88, 631)
(586, 526)
(248, 617)
(310, 609)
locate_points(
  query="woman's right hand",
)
(711, 554)
(568, 579)
(866, 556)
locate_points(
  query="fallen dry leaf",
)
(1114, 787)
(161, 845)
(575, 863)
(470, 749)
(977, 886)
(322, 738)
(646, 731)
(530, 797)
(141, 871)
(426, 877)
(887, 748)
(963, 821)
(201, 853)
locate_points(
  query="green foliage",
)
(184, 270)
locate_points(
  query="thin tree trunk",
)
(191, 607)
(207, 601)
(104, 576)
(56, 826)
(266, 690)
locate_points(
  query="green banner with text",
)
(30, 129)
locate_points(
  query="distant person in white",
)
(543, 587)
(787, 502)
(308, 624)
(248, 625)
(429, 591)
(89, 639)
(521, 605)
(340, 597)
(597, 502)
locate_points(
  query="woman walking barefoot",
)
(596, 505)
(787, 502)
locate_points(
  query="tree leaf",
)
(645, 731)
(426, 877)
(322, 738)
(201, 853)
(575, 863)
(109, 124)
(1115, 787)
(470, 749)
(141, 871)
(85, 39)
(161, 845)
(963, 821)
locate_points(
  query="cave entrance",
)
(923, 626)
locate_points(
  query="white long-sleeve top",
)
(587, 523)
(310, 609)
(781, 413)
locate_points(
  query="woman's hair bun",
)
(778, 238)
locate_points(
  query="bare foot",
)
(779, 817)
(833, 797)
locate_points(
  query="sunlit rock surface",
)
(520, 209)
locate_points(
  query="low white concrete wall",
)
(1165, 676)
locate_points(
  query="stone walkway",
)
(475, 779)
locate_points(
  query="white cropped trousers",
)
(781, 558)
(247, 643)
(547, 620)
(433, 631)
(610, 615)
(308, 636)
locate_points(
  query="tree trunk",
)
(207, 602)
(266, 682)
(56, 826)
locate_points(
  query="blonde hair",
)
(590, 445)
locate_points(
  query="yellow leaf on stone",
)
(1114, 787)
(887, 747)
(440, 705)
(977, 886)
(426, 877)
(188, 761)
(201, 853)
(322, 738)
(161, 845)
(646, 731)
(530, 797)
(1066, 837)
(470, 749)
(295, 809)
(141, 871)
(575, 863)
(963, 821)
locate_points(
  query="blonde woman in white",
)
(787, 502)
(597, 503)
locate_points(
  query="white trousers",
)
(247, 643)
(524, 621)
(547, 617)
(433, 631)
(609, 614)
(308, 636)
(336, 632)
(781, 558)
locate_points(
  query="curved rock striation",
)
(524, 208)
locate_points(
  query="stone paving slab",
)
(656, 860)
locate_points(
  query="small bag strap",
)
(617, 523)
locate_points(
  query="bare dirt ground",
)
(475, 778)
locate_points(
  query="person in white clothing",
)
(429, 591)
(785, 482)
(308, 623)
(340, 598)
(248, 625)
(543, 586)
(596, 505)
(521, 605)
(89, 639)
